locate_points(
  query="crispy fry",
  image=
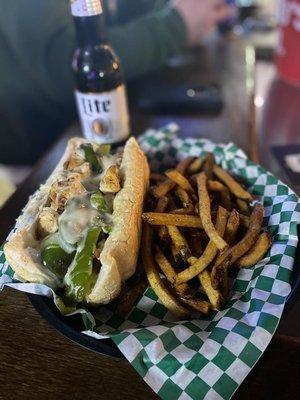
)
(162, 204)
(209, 165)
(232, 227)
(242, 206)
(184, 197)
(169, 301)
(187, 221)
(209, 254)
(257, 252)
(157, 177)
(231, 255)
(163, 233)
(183, 211)
(179, 179)
(244, 220)
(195, 242)
(199, 305)
(164, 265)
(205, 213)
(195, 165)
(216, 186)
(179, 241)
(231, 183)
(215, 297)
(130, 296)
(165, 187)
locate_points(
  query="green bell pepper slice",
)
(77, 279)
(98, 202)
(104, 149)
(55, 257)
(91, 157)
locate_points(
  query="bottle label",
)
(104, 116)
(86, 8)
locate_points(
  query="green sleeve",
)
(42, 37)
(145, 44)
(37, 41)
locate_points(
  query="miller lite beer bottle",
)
(100, 91)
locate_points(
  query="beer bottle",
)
(100, 91)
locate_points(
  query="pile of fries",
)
(201, 222)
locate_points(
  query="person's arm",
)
(146, 43)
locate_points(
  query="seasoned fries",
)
(230, 256)
(181, 247)
(205, 213)
(232, 184)
(214, 295)
(242, 206)
(180, 180)
(192, 239)
(130, 296)
(165, 187)
(155, 281)
(257, 252)
(209, 253)
(209, 165)
(188, 221)
(195, 166)
(232, 227)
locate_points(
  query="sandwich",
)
(80, 232)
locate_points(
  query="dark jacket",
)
(37, 40)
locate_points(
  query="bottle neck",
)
(90, 30)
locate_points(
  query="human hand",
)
(201, 16)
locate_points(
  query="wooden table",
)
(37, 362)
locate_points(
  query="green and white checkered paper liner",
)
(203, 358)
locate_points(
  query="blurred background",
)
(205, 85)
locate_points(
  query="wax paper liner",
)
(203, 358)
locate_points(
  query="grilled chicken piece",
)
(110, 183)
(84, 170)
(76, 159)
(65, 188)
(47, 222)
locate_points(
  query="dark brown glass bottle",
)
(100, 91)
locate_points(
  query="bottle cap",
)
(86, 8)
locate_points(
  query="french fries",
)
(164, 265)
(242, 206)
(205, 213)
(231, 183)
(232, 227)
(209, 253)
(181, 247)
(257, 252)
(195, 166)
(130, 296)
(179, 180)
(155, 281)
(230, 256)
(209, 165)
(214, 295)
(187, 221)
(200, 223)
(216, 186)
(166, 186)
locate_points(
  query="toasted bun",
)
(119, 256)
(21, 249)
(120, 252)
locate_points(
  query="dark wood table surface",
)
(37, 362)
